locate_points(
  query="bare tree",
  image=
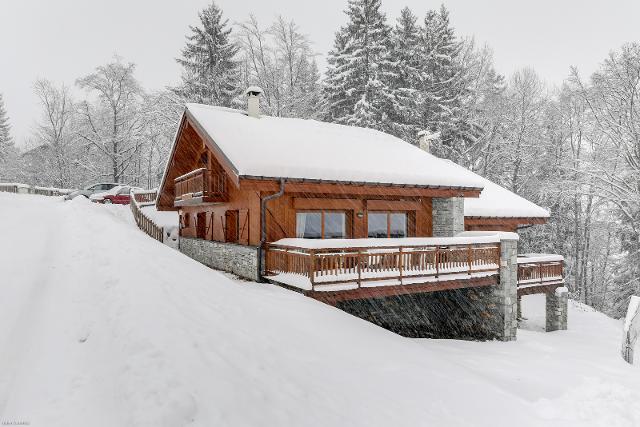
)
(113, 124)
(57, 130)
(280, 60)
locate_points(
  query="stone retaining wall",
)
(237, 259)
(470, 313)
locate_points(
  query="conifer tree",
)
(407, 78)
(211, 73)
(6, 142)
(443, 83)
(359, 73)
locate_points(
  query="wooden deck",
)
(343, 273)
(541, 274)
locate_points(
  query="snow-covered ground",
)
(101, 325)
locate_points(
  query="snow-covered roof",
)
(498, 202)
(277, 147)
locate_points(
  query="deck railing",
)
(403, 264)
(144, 223)
(532, 271)
(201, 183)
(32, 189)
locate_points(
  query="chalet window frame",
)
(409, 222)
(348, 221)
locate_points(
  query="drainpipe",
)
(263, 224)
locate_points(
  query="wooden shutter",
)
(243, 222)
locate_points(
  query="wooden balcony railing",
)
(400, 264)
(540, 269)
(201, 184)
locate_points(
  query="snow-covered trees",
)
(113, 124)
(56, 133)
(280, 60)
(6, 142)
(407, 77)
(357, 86)
(443, 84)
(211, 72)
(612, 98)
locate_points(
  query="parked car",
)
(119, 195)
(92, 189)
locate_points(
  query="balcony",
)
(539, 273)
(200, 186)
(357, 268)
(382, 266)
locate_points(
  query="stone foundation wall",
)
(237, 259)
(557, 307)
(448, 216)
(458, 314)
(472, 313)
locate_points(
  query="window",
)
(321, 225)
(397, 225)
(387, 224)
(377, 225)
(124, 190)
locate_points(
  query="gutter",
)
(263, 225)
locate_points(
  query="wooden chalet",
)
(336, 212)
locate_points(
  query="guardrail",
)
(138, 200)
(330, 266)
(540, 269)
(203, 183)
(32, 189)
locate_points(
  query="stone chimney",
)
(253, 101)
(425, 139)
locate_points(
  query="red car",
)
(119, 195)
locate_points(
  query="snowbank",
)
(101, 325)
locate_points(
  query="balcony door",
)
(322, 225)
(387, 224)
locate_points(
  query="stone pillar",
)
(505, 295)
(448, 216)
(557, 305)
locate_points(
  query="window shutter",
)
(243, 223)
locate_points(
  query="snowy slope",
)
(101, 325)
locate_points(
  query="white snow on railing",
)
(535, 258)
(383, 243)
(15, 187)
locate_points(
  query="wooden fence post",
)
(400, 263)
(312, 267)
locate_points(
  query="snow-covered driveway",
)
(102, 326)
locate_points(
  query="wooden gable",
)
(192, 149)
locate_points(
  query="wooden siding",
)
(499, 224)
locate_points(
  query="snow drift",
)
(101, 325)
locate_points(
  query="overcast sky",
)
(64, 39)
